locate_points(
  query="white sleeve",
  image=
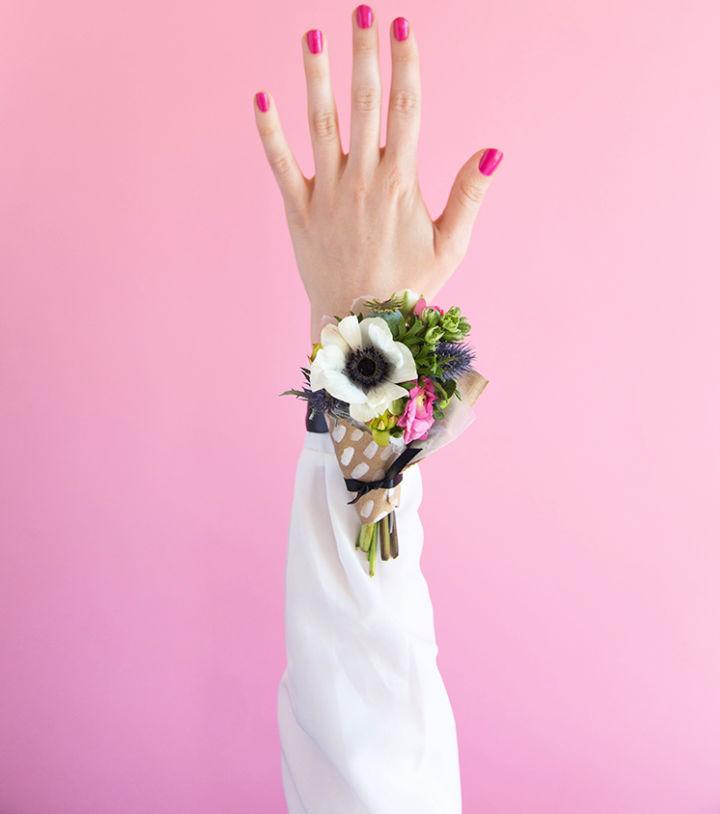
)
(365, 722)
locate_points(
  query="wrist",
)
(326, 308)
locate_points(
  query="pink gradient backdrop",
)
(150, 313)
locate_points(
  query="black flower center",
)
(366, 368)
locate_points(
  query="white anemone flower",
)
(360, 363)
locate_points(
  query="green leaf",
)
(394, 320)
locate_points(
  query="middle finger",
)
(366, 92)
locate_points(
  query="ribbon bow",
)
(391, 478)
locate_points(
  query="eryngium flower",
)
(454, 359)
(319, 401)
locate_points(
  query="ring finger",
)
(322, 113)
(403, 125)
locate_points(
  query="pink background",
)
(150, 313)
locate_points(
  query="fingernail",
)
(262, 100)
(364, 16)
(315, 41)
(489, 161)
(401, 28)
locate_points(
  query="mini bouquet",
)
(394, 380)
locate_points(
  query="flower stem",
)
(373, 549)
(366, 532)
(394, 543)
(385, 541)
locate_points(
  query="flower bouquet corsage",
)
(395, 382)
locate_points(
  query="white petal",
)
(405, 370)
(385, 394)
(350, 331)
(364, 412)
(375, 331)
(330, 357)
(382, 337)
(326, 359)
(317, 378)
(339, 386)
(330, 335)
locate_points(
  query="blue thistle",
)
(319, 401)
(454, 359)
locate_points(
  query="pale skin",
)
(360, 225)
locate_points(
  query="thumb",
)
(455, 224)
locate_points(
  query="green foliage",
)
(433, 335)
(445, 390)
(393, 318)
(423, 333)
(454, 325)
(385, 425)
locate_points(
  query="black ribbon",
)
(391, 478)
(315, 420)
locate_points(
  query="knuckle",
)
(404, 101)
(470, 194)
(366, 99)
(323, 124)
(280, 164)
(266, 130)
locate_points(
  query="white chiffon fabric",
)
(365, 722)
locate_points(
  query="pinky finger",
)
(294, 187)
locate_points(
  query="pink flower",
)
(421, 305)
(417, 418)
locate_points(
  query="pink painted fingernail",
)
(262, 100)
(315, 41)
(364, 16)
(401, 28)
(489, 161)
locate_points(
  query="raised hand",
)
(360, 225)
